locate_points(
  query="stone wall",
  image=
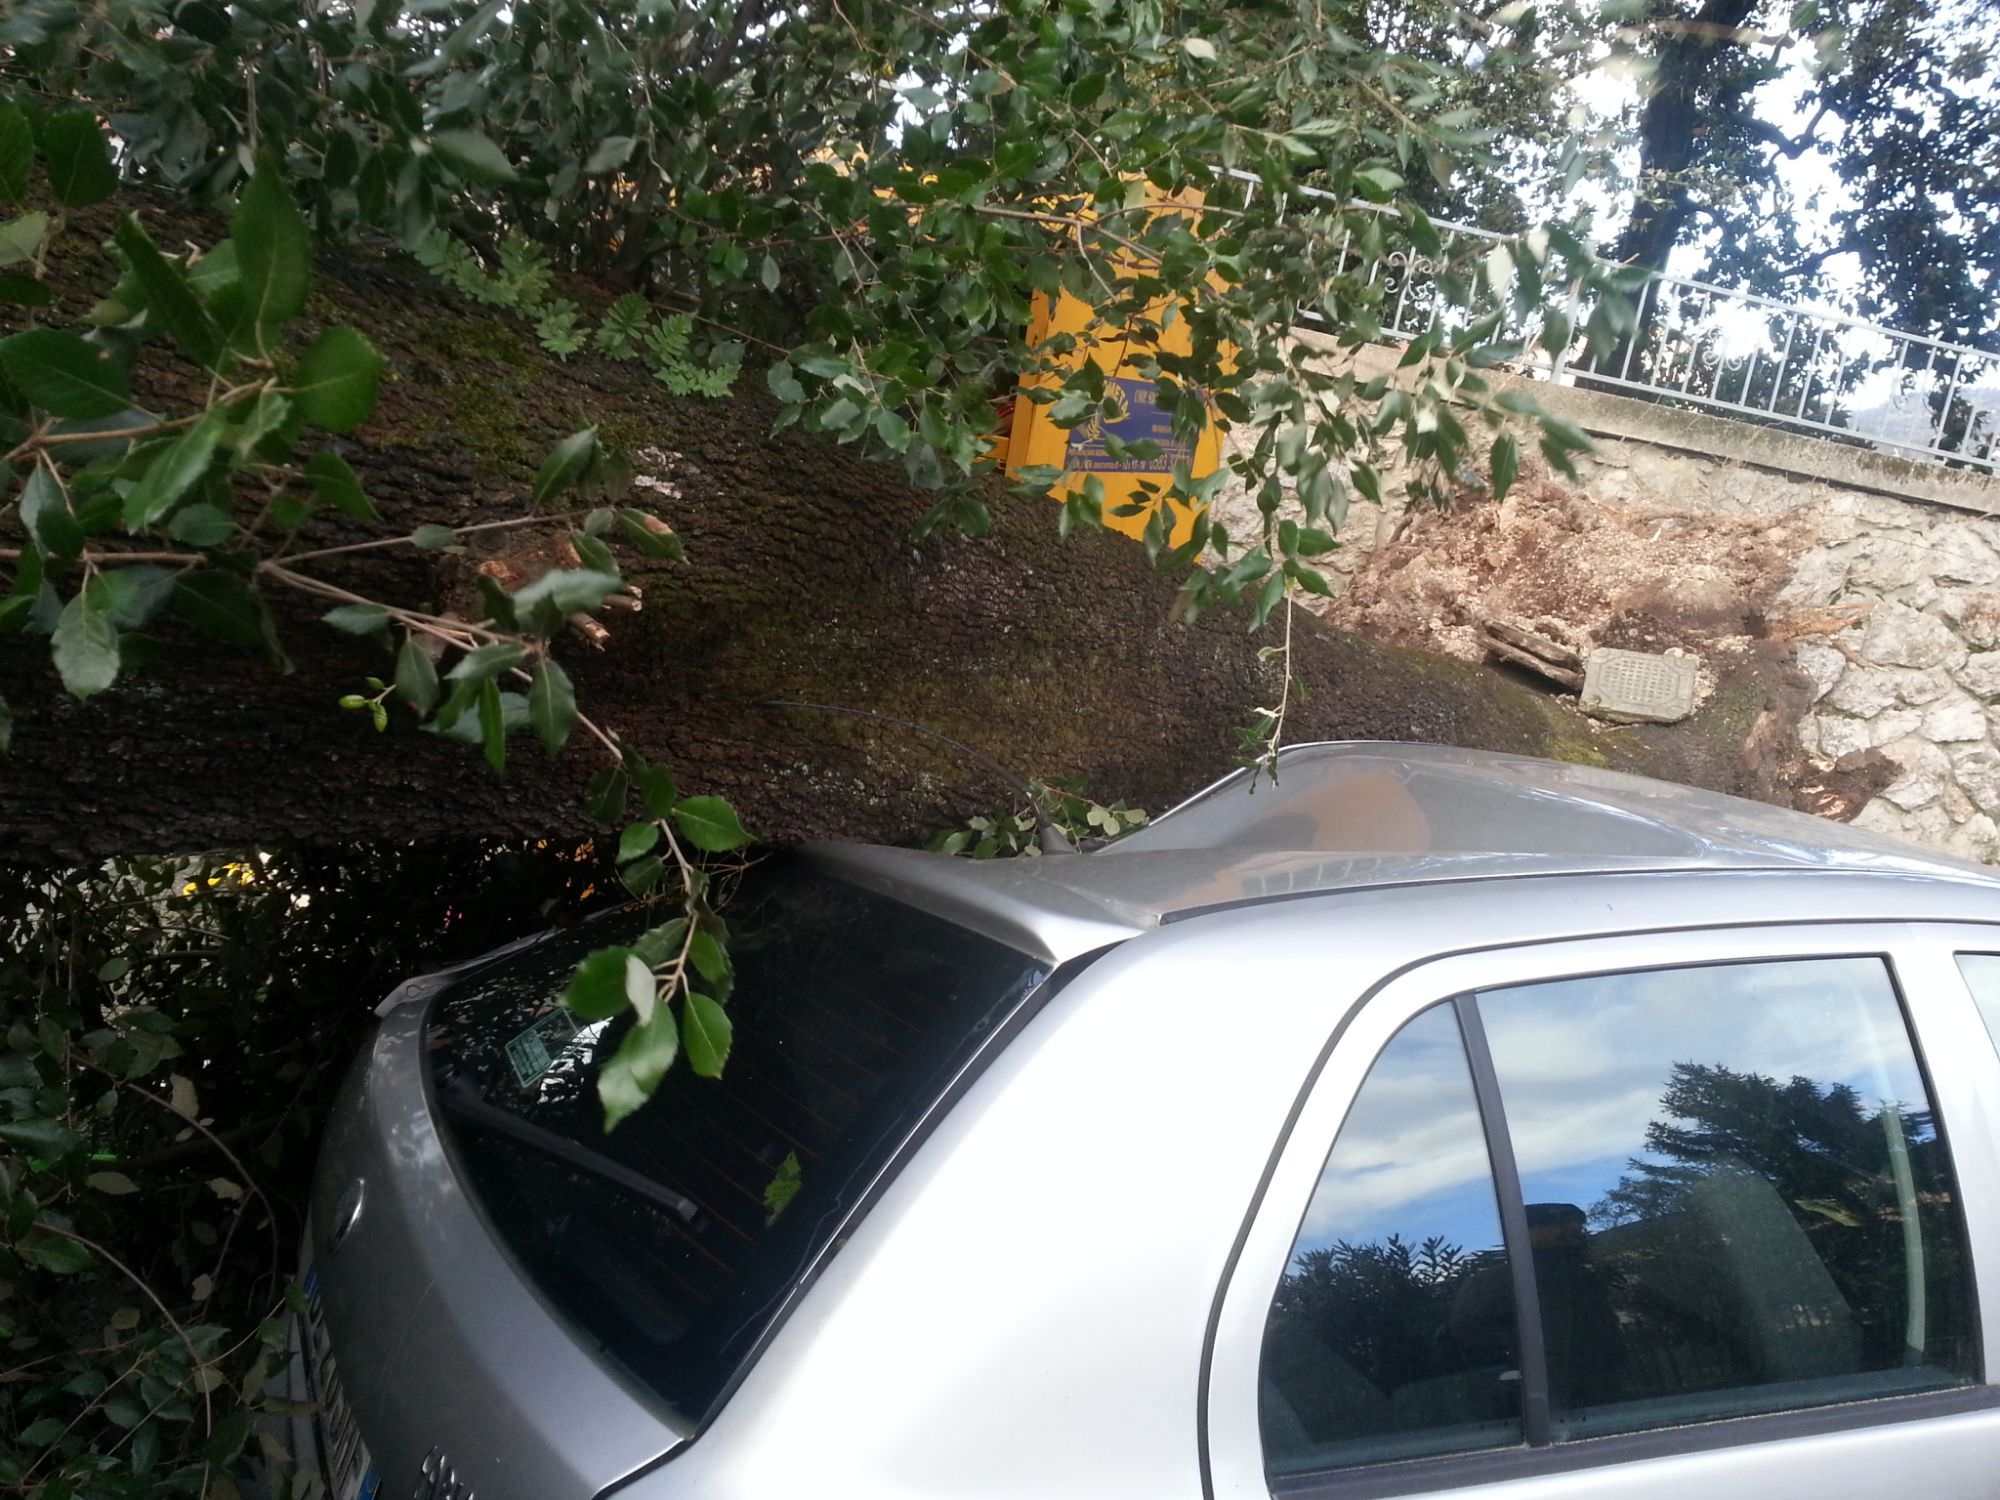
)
(1877, 577)
(1917, 675)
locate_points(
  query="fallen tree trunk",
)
(1055, 658)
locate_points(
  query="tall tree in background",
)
(1896, 100)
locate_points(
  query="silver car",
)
(1425, 1122)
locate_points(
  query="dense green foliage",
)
(174, 1029)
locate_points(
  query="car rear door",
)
(1694, 1211)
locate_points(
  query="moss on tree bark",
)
(1054, 657)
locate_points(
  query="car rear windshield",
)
(671, 1242)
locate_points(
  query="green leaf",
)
(416, 677)
(472, 671)
(78, 158)
(85, 647)
(21, 237)
(215, 269)
(223, 606)
(62, 374)
(570, 462)
(631, 1074)
(711, 824)
(28, 598)
(472, 156)
(705, 1032)
(109, 438)
(1377, 183)
(1506, 463)
(131, 595)
(593, 554)
(783, 384)
(782, 1188)
(612, 153)
(608, 791)
(493, 726)
(656, 789)
(605, 983)
(662, 944)
(201, 525)
(23, 291)
(48, 1138)
(115, 1184)
(145, 1448)
(273, 256)
(53, 1253)
(357, 619)
(649, 534)
(336, 382)
(637, 839)
(173, 473)
(711, 961)
(170, 301)
(544, 604)
(335, 483)
(552, 704)
(431, 537)
(44, 510)
(17, 152)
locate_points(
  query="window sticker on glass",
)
(534, 1051)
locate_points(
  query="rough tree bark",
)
(1696, 87)
(1055, 658)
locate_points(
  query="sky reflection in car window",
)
(1411, 1154)
(1584, 1063)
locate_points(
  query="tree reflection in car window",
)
(1392, 1333)
(1737, 1197)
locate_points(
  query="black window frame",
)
(1532, 1458)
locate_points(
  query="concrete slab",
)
(1638, 687)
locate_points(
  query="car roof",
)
(1362, 814)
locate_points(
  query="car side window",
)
(1392, 1334)
(1982, 977)
(1736, 1195)
(1725, 1194)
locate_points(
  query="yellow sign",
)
(1034, 441)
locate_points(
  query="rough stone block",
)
(1957, 718)
(1974, 615)
(1964, 554)
(1977, 838)
(1976, 768)
(1887, 564)
(1868, 691)
(1926, 772)
(1897, 724)
(1822, 664)
(1836, 735)
(1980, 674)
(1897, 636)
(1819, 578)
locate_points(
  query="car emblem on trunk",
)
(440, 1481)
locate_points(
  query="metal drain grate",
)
(1637, 687)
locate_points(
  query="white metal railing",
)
(1802, 366)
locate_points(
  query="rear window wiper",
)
(462, 1101)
